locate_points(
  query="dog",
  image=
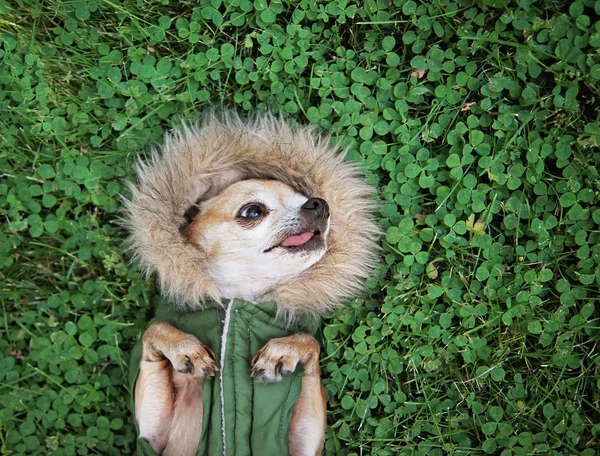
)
(254, 230)
(256, 233)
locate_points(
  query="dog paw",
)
(281, 357)
(184, 351)
(190, 356)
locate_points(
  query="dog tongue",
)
(294, 241)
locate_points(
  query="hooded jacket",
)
(194, 164)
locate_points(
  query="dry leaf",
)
(432, 270)
(467, 106)
(479, 227)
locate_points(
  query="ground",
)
(477, 121)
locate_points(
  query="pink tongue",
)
(294, 241)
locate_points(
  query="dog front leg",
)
(280, 357)
(168, 395)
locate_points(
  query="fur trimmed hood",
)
(196, 162)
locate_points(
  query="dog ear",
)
(203, 190)
(189, 216)
(207, 187)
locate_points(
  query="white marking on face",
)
(241, 230)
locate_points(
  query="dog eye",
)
(251, 211)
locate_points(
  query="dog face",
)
(257, 233)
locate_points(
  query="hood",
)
(196, 162)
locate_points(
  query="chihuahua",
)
(253, 228)
(255, 234)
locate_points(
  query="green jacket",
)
(255, 417)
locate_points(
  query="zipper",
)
(224, 334)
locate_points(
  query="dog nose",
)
(316, 207)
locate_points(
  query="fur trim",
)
(196, 162)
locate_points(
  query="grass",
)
(477, 120)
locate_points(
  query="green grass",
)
(478, 121)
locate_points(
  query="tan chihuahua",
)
(254, 229)
(255, 234)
